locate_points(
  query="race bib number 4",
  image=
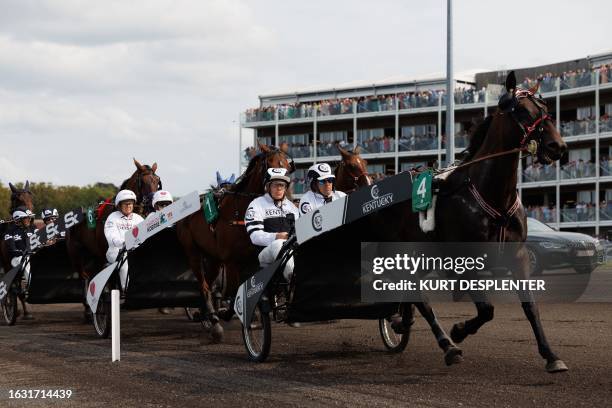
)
(421, 192)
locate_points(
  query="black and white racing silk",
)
(311, 200)
(264, 219)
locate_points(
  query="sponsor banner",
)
(321, 220)
(96, 285)
(250, 292)
(56, 230)
(7, 281)
(363, 202)
(382, 194)
(159, 220)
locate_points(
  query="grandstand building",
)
(399, 124)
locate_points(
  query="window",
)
(585, 196)
(325, 137)
(294, 139)
(411, 165)
(585, 112)
(266, 140)
(577, 154)
(376, 168)
(369, 134)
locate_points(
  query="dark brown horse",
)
(478, 202)
(87, 247)
(226, 243)
(19, 197)
(352, 171)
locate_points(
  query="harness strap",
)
(501, 219)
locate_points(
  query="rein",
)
(529, 148)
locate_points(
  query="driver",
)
(115, 227)
(269, 218)
(161, 199)
(322, 191)
(50, 216)
(17, 239)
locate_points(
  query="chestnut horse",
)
(478, 202)
(87, 247)
(352, 171)
(226, 243)
(19, 197)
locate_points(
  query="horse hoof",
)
(165, 310)
(458, 333)
(557, 366)
(216, 333)
(454, 355)
(28, 316)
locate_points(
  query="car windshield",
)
(534, 225)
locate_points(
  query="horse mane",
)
(243, 180)
(477, 137)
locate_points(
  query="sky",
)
(87, 85)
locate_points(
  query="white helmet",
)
(21, 213)
(124, 195)
(277, 174)
(48, 213)
(320, 171)
(162, 196)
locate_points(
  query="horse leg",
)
(521, 270)
(452, 353)
(208, 310)
(26, 313)
(484, 314)
(553, 363)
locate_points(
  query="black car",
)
(552, 249)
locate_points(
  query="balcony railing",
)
(413, 143)
(542, 213)
(578, 214)
(576, 170)
(383, 144)
(539, 173)
(297, 151)
(578, 127)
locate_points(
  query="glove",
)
(15, 261)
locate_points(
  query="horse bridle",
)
(351, 175)
(508, 104)
(145, 199)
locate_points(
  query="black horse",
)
(478, 202)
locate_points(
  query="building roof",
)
(363, 85)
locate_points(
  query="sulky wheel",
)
(257, 336)
(9, 308)
(102, 315)
(394, 342)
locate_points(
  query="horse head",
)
(144, 182)
(22, 197)
(352, 171)
(527, 115)
(269, 157)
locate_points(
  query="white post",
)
(115, 328)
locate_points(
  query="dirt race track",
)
(169, 361)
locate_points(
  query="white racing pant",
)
(268, 256)
(111, 256)
(26, 271)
